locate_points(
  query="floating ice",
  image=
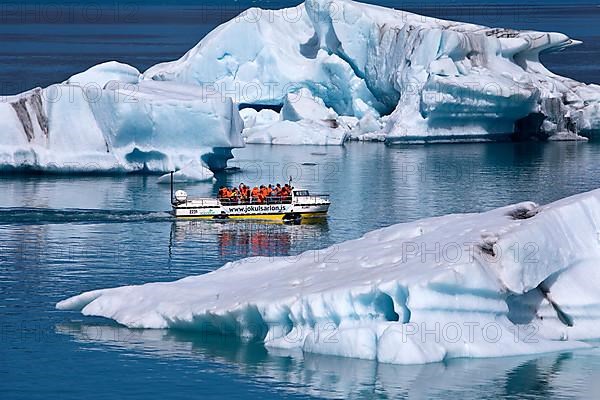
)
(105, 120)
(439, 80)
(517, 280)
(261, 55)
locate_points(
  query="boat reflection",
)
(247, 239)
(536, 377)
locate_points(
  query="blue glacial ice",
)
(107, 119)
(433, 80)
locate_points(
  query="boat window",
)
(301, 193)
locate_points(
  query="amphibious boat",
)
(298, 206)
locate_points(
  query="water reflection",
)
(248, 238)
(537, 377)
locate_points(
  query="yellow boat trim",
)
(277, 217)
(256, 216)
(319, 214)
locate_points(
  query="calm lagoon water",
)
(81, 233)
(91, 232)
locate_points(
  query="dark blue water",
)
(44, 42)
(60, 235)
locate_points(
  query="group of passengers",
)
(271, 194)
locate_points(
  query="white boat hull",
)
(251, 211)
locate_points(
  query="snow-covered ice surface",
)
(106, 119)
(521, 279)
(437, 80)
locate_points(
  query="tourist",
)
(255, 195)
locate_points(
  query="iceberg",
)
(517, 280)
(435, 80)
(106, 119)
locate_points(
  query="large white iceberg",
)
(106, 119)
(437, 80)
(516, 280)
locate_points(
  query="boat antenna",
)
(172, 202)
(290, 181)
